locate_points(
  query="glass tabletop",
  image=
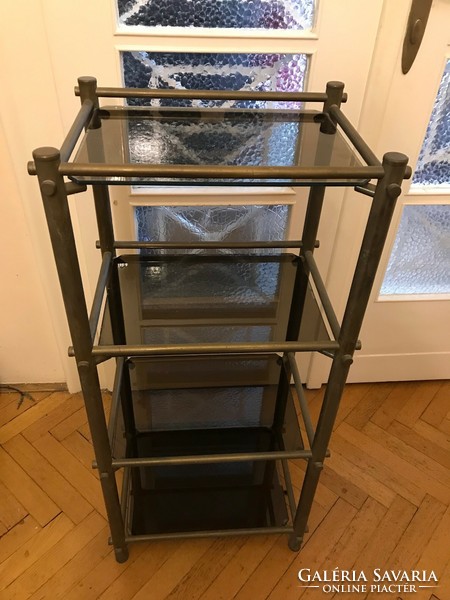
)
(218, 137)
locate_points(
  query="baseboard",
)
(34, 387)
(400, 367)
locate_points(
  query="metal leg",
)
(387, 192)
(106, 235)
(56, 208)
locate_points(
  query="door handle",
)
(417, 21)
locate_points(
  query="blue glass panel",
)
(224, 14)
(420, 259)
(198, 71)
(433, 166)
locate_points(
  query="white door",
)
(88, 38)
(77, 37)
(405, 335)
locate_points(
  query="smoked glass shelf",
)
(185, 406)
(132, 136)
(240, 498)
(187, 299)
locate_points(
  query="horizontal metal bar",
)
(323, 294)
(133, 245)
(99, 292)
(117, 463)
(124, 495)
(367, 190)
(219, 171)
(216, 348)
(301, 399)
(356, 139)
(114, 92)
(115, 399)
(326, 353)
(207, 534)
(31, 167)
(74, 188)
(78, 125)
(289, 489)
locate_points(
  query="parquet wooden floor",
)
(383, 502)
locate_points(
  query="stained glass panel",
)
(205, 70)
(420, 259)
(223, 14)
(433, 165)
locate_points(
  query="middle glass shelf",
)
(237, 299)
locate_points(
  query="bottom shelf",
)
(190, 509)
(204, 497)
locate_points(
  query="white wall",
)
(33, 331)
(28, 348)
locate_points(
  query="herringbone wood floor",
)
(383, 501)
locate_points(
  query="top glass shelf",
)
(129, 136)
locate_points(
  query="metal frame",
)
(51, 165)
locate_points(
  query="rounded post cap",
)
(395, 159)
(87, 80)
(46, 154)
(336, 85)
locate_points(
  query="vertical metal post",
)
(334, 90)
(88, 87)
(56, 208)
(387, 191)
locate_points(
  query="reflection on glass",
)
(245, 140)
(433, 165)
(211, 223)
(420, 259)
(199, 71)
(225, 14)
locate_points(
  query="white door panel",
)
(404, 337)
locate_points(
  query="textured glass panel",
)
(197, 71)
(211, 223)
(230, 14)
(433, 166)
(245, 142)
(185, 334)
(420, 259)
(209, 286)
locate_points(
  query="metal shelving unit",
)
(203, 420)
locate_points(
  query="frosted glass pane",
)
(211, 223)
(433, 165)
(191, 70)
(225, 14)
(420, 259)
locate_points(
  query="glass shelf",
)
(232, 137)
(202, 299)
(207, 406)
(245, 495)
